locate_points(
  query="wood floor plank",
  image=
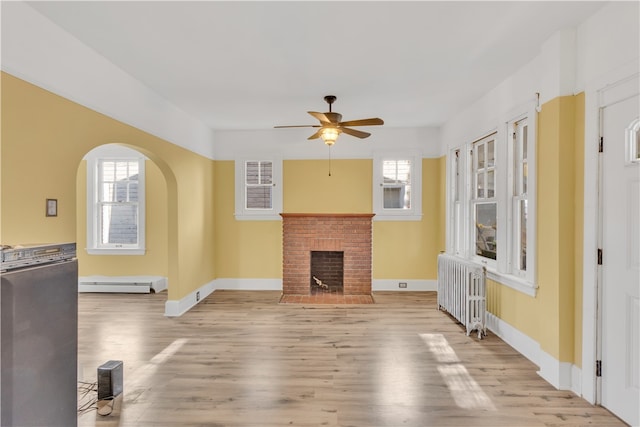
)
(240, 358)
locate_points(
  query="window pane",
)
(252, 175)
(133, 191)
(456, 176)
(121, 192)
(480, 185)
(486, 226)
(259, 197)
(524, 142)
(525, 171)
(107, 192)
(396, 197)
(119, 224)
(490, 153)
(480, 150)
(266, 172)
(396, 171)
(522, 207)
(490, 183)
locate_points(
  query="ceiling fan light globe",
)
(329, 135)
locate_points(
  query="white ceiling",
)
(253, 65)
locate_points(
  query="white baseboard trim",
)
(561, 375)
(249, 284)
(556, 373)
(412, 285)
(123, 284)
(576, 380)
(526, 346)
(176, 308)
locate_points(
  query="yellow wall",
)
(401, 249)
(154, 261)
(553, 317)
(309, 188)
(244, 249)
(409, 249)
(44, 138)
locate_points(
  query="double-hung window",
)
(484, 201)
(115, 201)
(258, 188)
(396, 186)
(519, 199)
(521, 206)
(457, 191)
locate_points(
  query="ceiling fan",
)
(331, 125)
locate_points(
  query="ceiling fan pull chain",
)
(329, 160)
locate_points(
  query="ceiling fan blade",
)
(327, 118)
(363, 122)
(316, 135)
(320, 116)
(298, 126)
(356, 133)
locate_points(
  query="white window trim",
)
(106, 152)
(243, 214)
(415, 212)
(457, 229)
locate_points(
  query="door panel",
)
(621, 262)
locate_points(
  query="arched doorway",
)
(122, 227)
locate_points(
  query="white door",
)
(620, 272)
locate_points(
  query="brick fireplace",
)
(348, 234)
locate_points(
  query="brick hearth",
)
(347, 233)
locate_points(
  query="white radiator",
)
(462, 292)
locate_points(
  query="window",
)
(633, 142)
(258, 189)
(457, 207)
(396, 184)
(521, 206)
(115, 201)
(492, 204)
(483, 200)
(519, 199)
(396, 187)
(258, 184)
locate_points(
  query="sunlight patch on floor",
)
(142, 374)
(466, 392)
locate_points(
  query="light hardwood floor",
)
(241, 359)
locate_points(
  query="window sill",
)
(398, 217)
(110, 251)
(513, 282)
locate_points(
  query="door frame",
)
(598, 94)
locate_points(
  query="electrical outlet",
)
(402, 285)
(198, 296)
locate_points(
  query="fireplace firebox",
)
(327, 271)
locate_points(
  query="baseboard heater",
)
(122, 284)
(462, 292)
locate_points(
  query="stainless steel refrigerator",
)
(39, 326)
